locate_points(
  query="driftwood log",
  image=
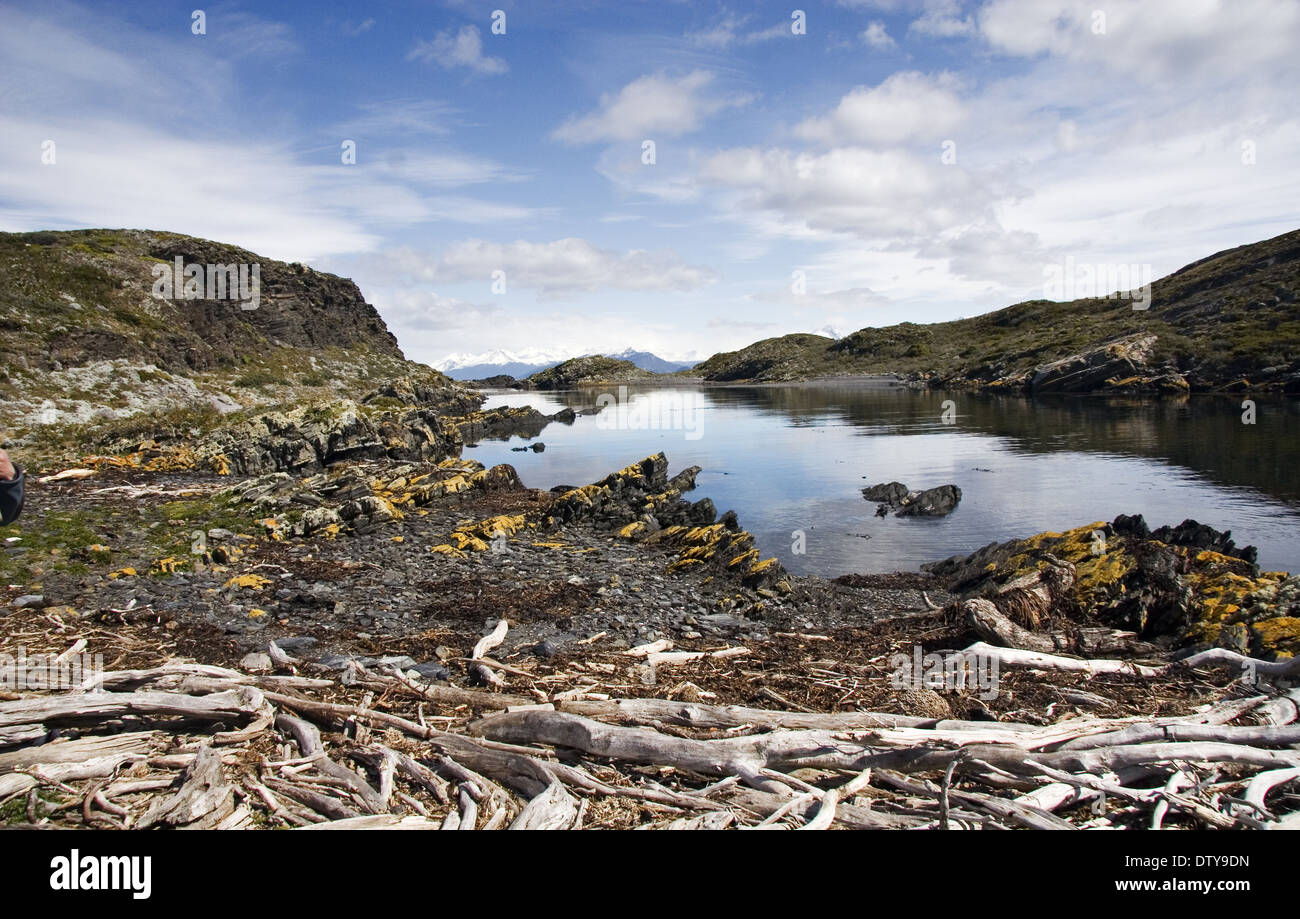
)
(186, 745)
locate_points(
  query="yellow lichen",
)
(251, 581)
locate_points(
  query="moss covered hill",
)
(588, 371)
(87, 295)
(89, 356)
(1230, 321)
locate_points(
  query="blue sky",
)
(1115, 141)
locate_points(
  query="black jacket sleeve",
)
(11, 497)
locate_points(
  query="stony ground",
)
(121, 553)
(118, 547)
(378, 579)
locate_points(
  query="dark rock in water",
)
(562, 489)
(702, 512)
(538, 447)
(730, 522)
(501, 423)
(518, 449)
(933, 502)
(886, 493)
(564, 416)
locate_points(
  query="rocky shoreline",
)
(303, 570)
(372, 591)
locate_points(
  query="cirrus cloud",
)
(655, 104)
(566, 266)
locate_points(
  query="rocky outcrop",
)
(587, 371)
(932, 502)
(1121, 365)
(891, 493)
(87, 295)
(500, 381)
(507, 421)
(436, 392)
(310, 438)
(643, 504)
(1184, 586)
(895, 496)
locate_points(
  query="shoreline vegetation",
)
(312, 610)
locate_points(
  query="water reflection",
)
(793, 458)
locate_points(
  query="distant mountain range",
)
(520, 364)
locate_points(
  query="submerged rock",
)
(886, 493)
(895, 496)
(933, 502)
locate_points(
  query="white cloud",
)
(1158, 38)
(908, 106)
(246, 35)
(119, 164)
(464, 49)
(866, 193)
(877, 36)
(352, 30)
(651, 106)
(728, 29)
(565, 266)
(415, 310)
(401, 116)
(943, 19)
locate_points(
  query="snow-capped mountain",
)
(652, 362)
(519, 364)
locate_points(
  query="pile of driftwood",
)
(191, 745)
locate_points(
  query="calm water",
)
(792, 458)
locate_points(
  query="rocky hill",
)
(1229, 321)
(586, 371)
(87, 295)
(99, 341)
